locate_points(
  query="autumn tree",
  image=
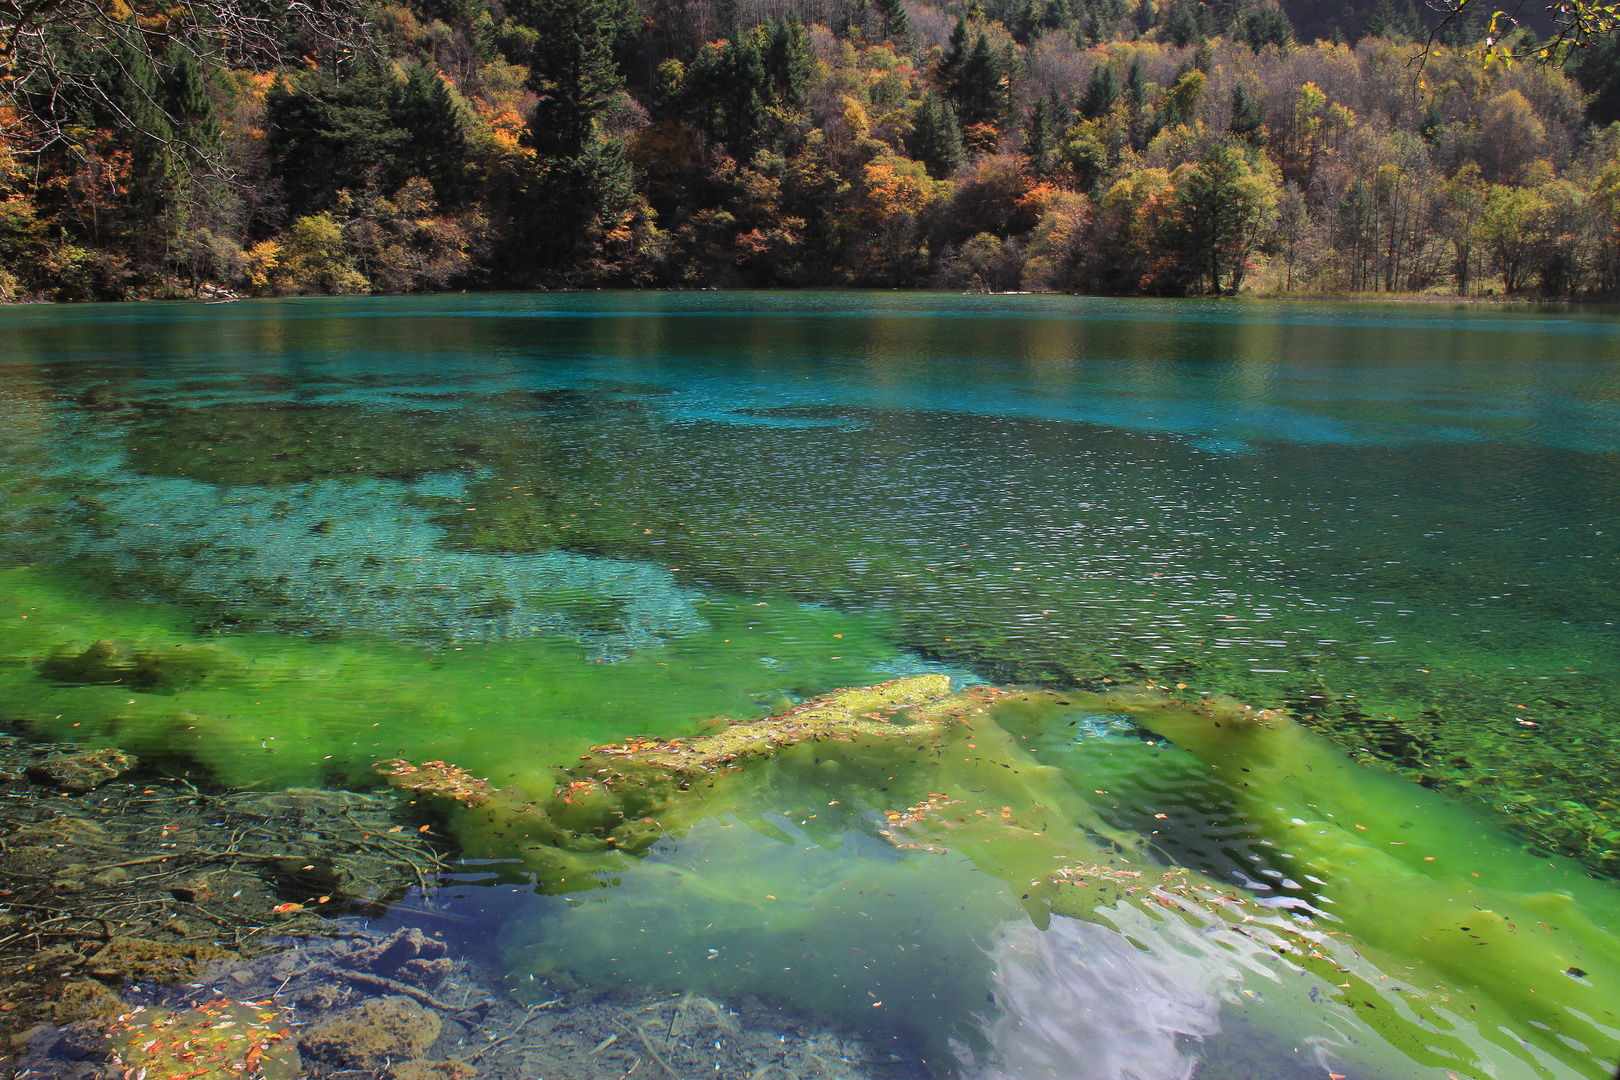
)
(1220, 212)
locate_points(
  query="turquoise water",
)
(496, 530)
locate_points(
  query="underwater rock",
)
(85, 999)
(401, 947)
(78, 773)
(108, 661)
(374, 1033)
(618, 797)
(433, 1070)
(437, 780)
(125, 959)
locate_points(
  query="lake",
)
(1280, 729)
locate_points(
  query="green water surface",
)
(316, 534)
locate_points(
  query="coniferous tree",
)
(1219, 212)
(936, 138)
(326, 136)
(1392, 20)
(582, 175)
(1247, 117)
(976, 88)
(1039, 145)
(573, 72)
(1597, 69)
(746, 90)
(189, 105)
(1136, 86)
(789, 62)
(1186, 21)
(955, 56)
(895, 24)
(1102, 90)
(434, 146)
(1262, 26)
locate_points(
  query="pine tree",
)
(1102, 90)
(583, 177)
(1390, 20)
(1262, 26)
(1185, 23)
(574, 73)
(1136, 86)
(435, 144)
(189, 105)
(745, 90)
(936, 138)
(895, 24)
(789, 62)
(976, 88)
(1247, 117)
(1039, 146)
(950, 64)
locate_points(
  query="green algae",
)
(261, 710)
(1439, 963)
(607, 483)
(590, 470)
(277, 442)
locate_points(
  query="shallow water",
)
(498, 530)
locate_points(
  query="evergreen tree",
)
(1136, 86)
(1039, 145)
(1597, 69)
(326, 136)
(936, 138)
(573, 72)
(1102, 90)
(1219, 212)
(434, 146)
(1187, 21)
(895, 24)
(1247, 117)
(1061, 112)
(582, 176)
(189, 105)
(746, 92)
(976, 88)
(789, 62)
(955, 56)
(1262, 26)
(1392, 20)
(1010, 67)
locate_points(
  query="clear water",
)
(498, 530)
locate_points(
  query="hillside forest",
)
(1164, 147)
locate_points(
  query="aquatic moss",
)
(959, 779)
(171, 668)
(278, 443)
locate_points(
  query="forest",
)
(1093, 146)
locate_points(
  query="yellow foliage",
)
(899, 185)
(260, 263)
(855, 117)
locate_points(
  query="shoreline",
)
(1514, 301)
